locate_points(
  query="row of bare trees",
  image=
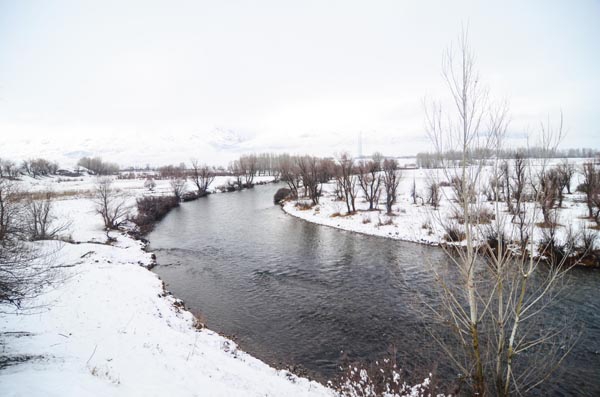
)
(591, 188)
(305, 175)
(439, 160)
(9, 169)
(32, 167)
(244, 170)
(97, 166)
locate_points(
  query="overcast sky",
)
(212, 79)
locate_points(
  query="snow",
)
(420, 223)
(84, 185)
(105, 326)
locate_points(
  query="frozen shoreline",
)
(420, 223)
(288, 207)
(106, 326)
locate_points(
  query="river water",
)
(298, 294)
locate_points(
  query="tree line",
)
(452, 156)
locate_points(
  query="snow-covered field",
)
(421, 223)
(134, 187)
(106, 327)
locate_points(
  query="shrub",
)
(493, 240)
(150, 184)
(485, 215)
(41, 223)
(303, 205)
(555, 252)
(589, 237)
(454, 232)
(152, 209)
(379, 378)
(385, 222)
(281, 195)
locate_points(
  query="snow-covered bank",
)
(85, 184)
(106, 327)
(410, 222)
(420, 222)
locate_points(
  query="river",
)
(298, 294)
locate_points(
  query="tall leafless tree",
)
(110, 203)
(347, 180)
(178, 187)
(369, 180)
(11, 210)
(391, 179)
(247, 166)
(202, 176)
(433, 193)
(41, 223)
(289, 174)
(493, 303)
(591, 187)
(309, 168)
(567, 172)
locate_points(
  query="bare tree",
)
(433, 193)
(23, 270)
(11, 210)
(518, 181)
(413, 191)
(8, 169)
(202, 176)
(247, 166)
(177, 187)
(347, 181)
(391, 180)
(310, 170)
(545, 183)
(40, 221)
(369, 180)
(546, 191)
(504, 180)
(493, 304)
(567, 172)
(591, 187)
(289, 174)
(378, 158)
(150, 184)
(110, 204)
(238, 172)
(172, 171)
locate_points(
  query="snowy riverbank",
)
(105, 326)
(420, 222)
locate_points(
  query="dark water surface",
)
(295, 293)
